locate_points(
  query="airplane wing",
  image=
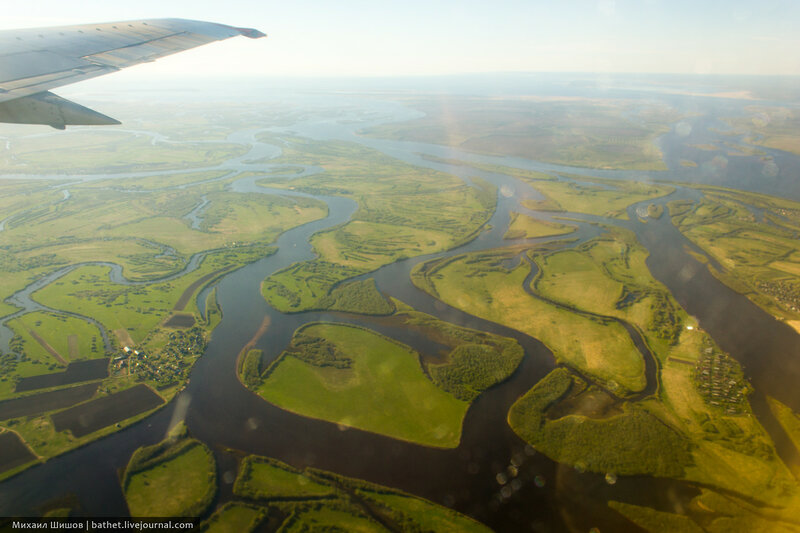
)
(33, 61)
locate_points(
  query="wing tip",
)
(251, 33)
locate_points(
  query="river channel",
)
(547, 496)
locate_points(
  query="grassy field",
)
(72, 338)
(608, 276)
(37, 336)
(576, 132)
(174, 478)
(593, 196)
(377, 386)
(234, 518)
(421, 515)
(525, 227)
(261, 478)
(759, 258)
(479, 284)
(328, 518)
(403, 211)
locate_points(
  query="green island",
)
(177, 477)
(403, 211)
(522, 226)
(584, 133)
(330, 371)
(296, 500)
(759, 256)
(359, 378)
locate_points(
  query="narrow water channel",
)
(221, 412)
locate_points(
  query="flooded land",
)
(388, 313)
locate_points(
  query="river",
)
(222, 413)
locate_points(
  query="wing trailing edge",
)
(51, 110)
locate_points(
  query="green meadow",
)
(377, 386)
(235, 518)
(264, 478)
(72, 338)
(175, 478)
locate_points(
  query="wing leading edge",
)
(33, 61)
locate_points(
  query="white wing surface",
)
(33, 61)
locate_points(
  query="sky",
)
(310, 38)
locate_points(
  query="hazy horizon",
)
(356, 38)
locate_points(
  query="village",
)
(720, 382)
(170, 365)
(784, 292)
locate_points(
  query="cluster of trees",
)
(472, 368)
(357, 297)
(8, 365)
(12, 263)
(635, 442)
(251, 369)
(664, 320)
(318, 351)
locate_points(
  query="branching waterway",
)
(222, 413)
